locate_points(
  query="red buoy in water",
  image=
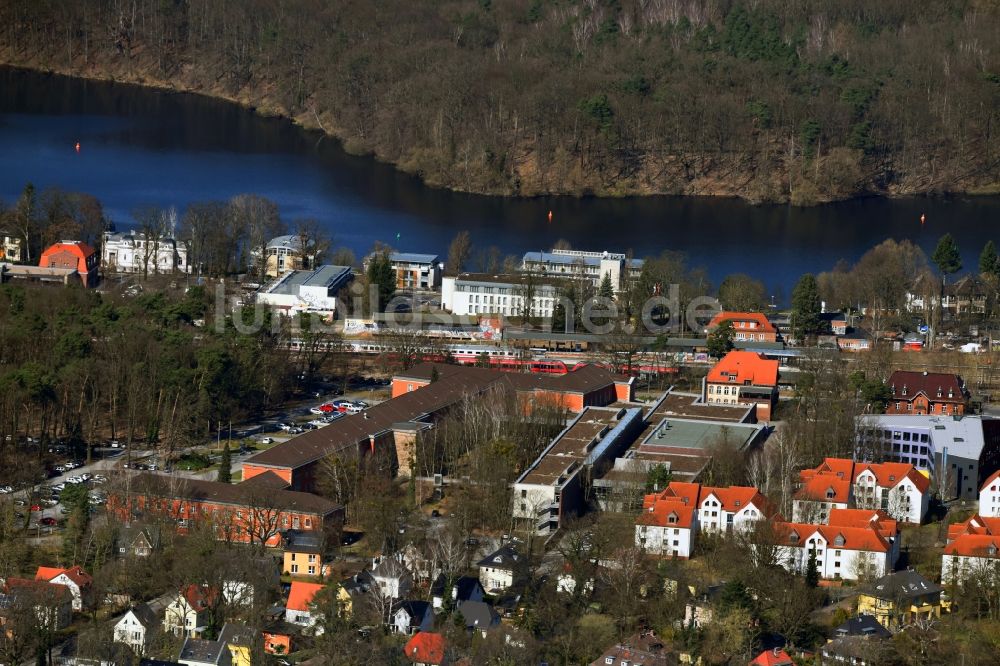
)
(77, 146)
(550, 217)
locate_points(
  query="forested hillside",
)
(802, 100)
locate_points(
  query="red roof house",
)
(747, 326)
(72, 254)
(426, 648)
(743, 378)
(74, 578)
(775, 657)
(926, 393)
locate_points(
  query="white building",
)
(391, 577)
(667, 528)
(728, 509)
(306, 291)
(129, 252)
(10, 247)
(499, 569)
(896, 488)
(135, 628)
(283, 254)
(482, 293)
(583, 265)
(973, 550)
(187, 614)
(848, 553)
(989, 496)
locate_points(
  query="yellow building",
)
(238, 639)
(303, 555)
(901, 598)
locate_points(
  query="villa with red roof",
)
(75, 255)
(773, 657)
(426, 648)
(746, 326)
(926, 393)
(74, 578)
(743, 378)
(188, 612)
(671, 519)
(899, 489)
(973, 548)
(989, 496)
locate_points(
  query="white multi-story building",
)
(485, 294)
(849, 553)
(899, 489)
(132, 252)
(416, 271)
(973, 550)
(583, 265)
(666, 527)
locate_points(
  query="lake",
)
(140, 147)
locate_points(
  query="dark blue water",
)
(142, 147)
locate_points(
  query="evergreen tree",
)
(607, 289)
(225, 466)
(380, 274)
(989, 261)
(805, 308)
(76, 526)
(812, 571)
(720, 341)
(947, 257)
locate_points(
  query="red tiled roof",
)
(928, 384)
(878, 520)
(687, 493)
(59, 593)
(817, 487)
(974, 545)
(425, 648)
(891, 474)
(735, 498)
(199, 597)
(758, 318)
(301, 595)
(975, 525)
(81, 251)
(74, 573)
(739, 367)
(855, 538)
(773, 657)
(657, 510)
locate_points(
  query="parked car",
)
(330, 418)
(354, 408)
(47, 521)
(152, 467)
(267, 440)
(6, 490)
(316, 410)
(36, 507)
(362, 404)
(285, 426)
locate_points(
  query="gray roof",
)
(327, 275)
(413, 258)
(862, 625)
(478, 614)
(570, 259)
(416, 609)
(505, 557)
(962, 435)
(902, 585)
(145, 615)
(209, 652)
(463, 586)
(237, 634)
(288, 240)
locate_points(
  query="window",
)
(295, 568)
(609, 660)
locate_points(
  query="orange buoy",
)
(923, 218)
(77, 146)
(550, 217)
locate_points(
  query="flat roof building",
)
(583, 265)
(307, 291)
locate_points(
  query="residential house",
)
(189, 612)
(748, 326)
(201, 652)
(139, 541)
(820, 494)
(510, 295)
(854, 650)
(132, 252)
(352, 589)
(899, 489)
(10, 247)
(642, 649)
(72, 255)
(876, 519)
(303, 554)
(500, 569)
(239, 640)
(926, 393)
(989, 496)
(52, 604)
(966, 295)
(136, 628)
(463, 588)
(666, 527)
(391, 577)
(277, 637)
(698, 611)
(848, 553)
(973, 550)
(426, 649)
(298, 608)
(416, 271)
(862, 625)
(74, 578)
(743, 378)
(772, 657)
(854, 340)
(900, 598)
(410, 616)
(479, 616)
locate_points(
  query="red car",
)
(36, 507)
(47, 522)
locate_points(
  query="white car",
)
(354, 408)
(315, 410)
(99, 478)
(6, 490)
(267, 440)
